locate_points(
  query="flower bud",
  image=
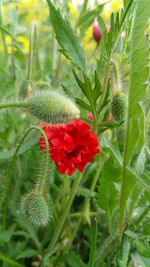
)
(97, 34)
(25, 88)
(35, 208)
(119, 107)
(51, 107)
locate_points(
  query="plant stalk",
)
(63, 217)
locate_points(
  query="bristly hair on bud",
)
(119, 107)
(51, 107)
(35, 208)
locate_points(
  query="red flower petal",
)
(71, 146)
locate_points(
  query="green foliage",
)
(80, 214)
(66, 38)
(138, 77)
(87, 17)
(108, 195)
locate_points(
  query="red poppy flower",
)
(71, 146)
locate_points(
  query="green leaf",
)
(144, 180)
(6, 235)
(81, 84)
(143, 248)
(66, 38)
(27, 253)
(113, 150)
(139, 261)
(138, 77)
(87, 18)
(83, 104)
(104, 98)
(93, 245)
(124, 252)
(89, 15)
(108, 195)
(97, 91)
(86, 87)
(74, 260)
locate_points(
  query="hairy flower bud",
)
(51, 107)
(119, 107)
(25, 88)
(35, 208)
(97, 34)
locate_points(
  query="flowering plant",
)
(75, 192)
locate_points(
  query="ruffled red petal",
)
(71, 146)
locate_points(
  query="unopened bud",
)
(119, 107)
(25, 89)
(97, 34)
(51, 107)
(35, 208)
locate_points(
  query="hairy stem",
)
(32, 52)
(4, 194)
(11, 105)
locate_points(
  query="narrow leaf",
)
(93, 245)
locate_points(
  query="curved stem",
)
(4, 199)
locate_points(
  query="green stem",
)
(63, 217)
(123, 186)
(11, 105)
(32, 52)
(4, 199)
(86, 204)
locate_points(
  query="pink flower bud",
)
(97, 34)
(90, 116)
